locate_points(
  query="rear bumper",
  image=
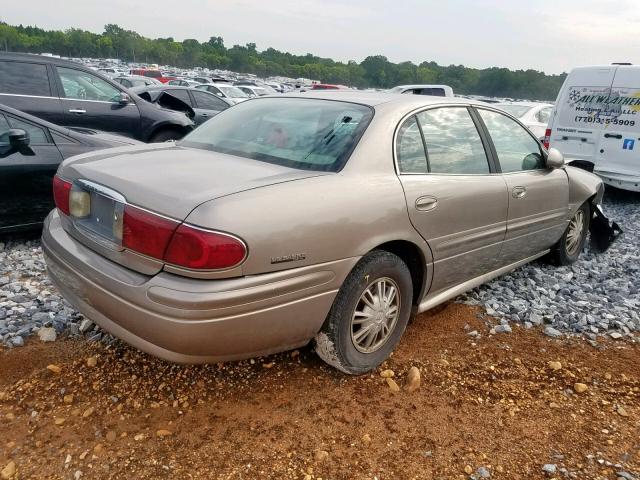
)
(620, 180)
(190, 320)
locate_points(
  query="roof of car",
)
(378, 98)
(526, 104)
(39, 58)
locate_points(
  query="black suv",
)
(67, 93)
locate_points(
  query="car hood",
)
(173, 180)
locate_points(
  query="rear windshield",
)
(515, 110)
(308, 134)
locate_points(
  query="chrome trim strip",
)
(474, 282)
(28, 96)
(101, 189)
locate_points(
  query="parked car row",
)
(71, 95)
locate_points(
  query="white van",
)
(596, 121)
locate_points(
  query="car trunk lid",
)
(164, 179)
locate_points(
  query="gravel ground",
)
(598, 295)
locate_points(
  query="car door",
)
(455, 199)
(26, 175)
(28, 86)
(538, 196)
(207, 105)
(91, 102)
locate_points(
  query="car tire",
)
(355, 337)
(166, 135)
(567, 250)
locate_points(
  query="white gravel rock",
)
(598, 295)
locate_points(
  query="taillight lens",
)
(61, 190)
(547, 138)
(179, 244)
(146, 232)
(204, 250)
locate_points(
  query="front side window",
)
(37, 135)
(410, 149)
(453, 143)
(517, 150)
(81, 85)
(22, 78)
(4, 131)
(308, 134)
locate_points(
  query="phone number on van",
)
(606, 121)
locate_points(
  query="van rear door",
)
(580, 112)
(618, 158)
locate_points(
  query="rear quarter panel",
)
(315, 220)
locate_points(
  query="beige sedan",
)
(326, 218)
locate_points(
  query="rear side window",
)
(410, 149)
(453, 143)
(208, 101)
(517, 150)
(22, 78)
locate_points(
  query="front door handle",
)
(519, 192)
(77, 110)
(426, 203)
(613, 135)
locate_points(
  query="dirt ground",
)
(492, 402)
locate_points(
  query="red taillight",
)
(547, 138)
(204, 250)
(61, 190)
(146, 232)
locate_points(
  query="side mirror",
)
(123, 98)
(555, 159)
(18, 138)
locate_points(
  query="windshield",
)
(308, 134)
(233, 92)
(515, 110)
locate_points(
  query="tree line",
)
(374, 71)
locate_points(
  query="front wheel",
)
(568, 248)
(166, 135)
(369, 314)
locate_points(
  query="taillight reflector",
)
(547, 138)
(61, 190)
(146, 232)
(204, 250)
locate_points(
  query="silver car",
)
(326, 218)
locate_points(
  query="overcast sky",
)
(548, 35)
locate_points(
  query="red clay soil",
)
(491, 402)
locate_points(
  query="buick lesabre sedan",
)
(326, 218)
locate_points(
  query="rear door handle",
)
(426, 203)
(77, 110)
(518, 192)
(613, 135)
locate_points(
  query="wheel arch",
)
(415, 260)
